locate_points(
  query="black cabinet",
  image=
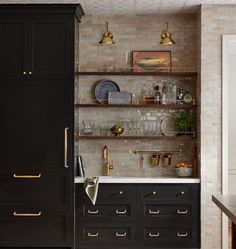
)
(37, 120)
(139, 216)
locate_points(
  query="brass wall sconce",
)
(107, 37)
(166, 38)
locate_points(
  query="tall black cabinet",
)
(36, 128)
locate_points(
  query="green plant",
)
(183, 121)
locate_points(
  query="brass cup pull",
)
(121, 234)
(27, 176)
(153, 234)
(121, 212)
(182, 234)
(93, 211)
(92, 234)
(153, 212)
(182, 212)
(27, 214)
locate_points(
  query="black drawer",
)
(162, 236)
(106, 209)
(169, 192)
(24, 226)
(112, 191)
(34, 188)
(100, 234)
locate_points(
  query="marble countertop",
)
(120, 179)
(227, 204)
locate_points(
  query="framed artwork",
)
(144, 61)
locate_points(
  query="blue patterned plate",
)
(102, 89)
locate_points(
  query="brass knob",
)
(121, 192)
(24, 73)
(154, 192)
(30, 72)
(182, 193)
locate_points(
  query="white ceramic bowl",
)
(184, 171)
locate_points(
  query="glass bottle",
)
(157, 97)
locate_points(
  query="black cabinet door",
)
(13, 48)
(33, 122)
(51, 47)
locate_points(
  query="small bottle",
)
(157, 98)
(180, 95)
(164, 95)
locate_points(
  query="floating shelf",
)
(169, 106)
(79, 137)
(128, 73)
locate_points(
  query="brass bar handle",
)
(153, 234)
(27, 214)
(92, 234)
(121, 212)
(153, 212)
(182, 234)
(182, 212)
(93, 211)
(27, 176)
(121, 234)
(66, 147)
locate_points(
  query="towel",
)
(91, 187)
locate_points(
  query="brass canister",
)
(167, 159)
(155, 160)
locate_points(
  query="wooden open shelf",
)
(139, 73)
(169, 106)
(81, 137)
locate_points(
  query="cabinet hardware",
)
(27, 214)
(120, 234)
(182, 212)
(153, 212)
(182, 234)
(182, 193)
(93, 211)
(24, 73)
(30, 73)
(154, 192)
(27, 176)
(121, 212)
(153, 234)
(121, 192)
(92, 234)
(66, 147)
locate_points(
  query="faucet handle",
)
(111, 165)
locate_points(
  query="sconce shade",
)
(166, 38)
(107, 37)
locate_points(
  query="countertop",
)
(227, 204)
(120, 179)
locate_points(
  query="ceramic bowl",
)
(184, 171)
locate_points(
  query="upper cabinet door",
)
(13, 44)
(51, 49)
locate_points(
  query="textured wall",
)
(216, 20)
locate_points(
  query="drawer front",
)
(169, 237)
(112, 191)
(34, 188)
(101, 234)
(108, 209)
(167, 192)
(167, 211)
(31, 226)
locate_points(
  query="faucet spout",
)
(106, 158)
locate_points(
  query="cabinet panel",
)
(51, 49)
(37, 188)
(33, 226)
(13, 44)
(33, 124)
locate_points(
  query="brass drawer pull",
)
(120, 234)
(182, 212)
(121, 212)
(27, 176)
(27, 214)
(182, 234)
(153, 212)
(66, 147)
(92, 234)
(93, 211)
(153, 234)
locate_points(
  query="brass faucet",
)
(108, 165)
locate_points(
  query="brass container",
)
(117, 131)
(155, 160)
(167, 159)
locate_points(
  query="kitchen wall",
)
(131, 33)
(216, 20)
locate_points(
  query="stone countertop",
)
(227, 204)
(120, 179)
